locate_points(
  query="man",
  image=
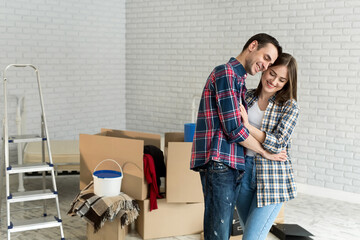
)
(220, 136)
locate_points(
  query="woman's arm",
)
(277, 140)
(252, 144)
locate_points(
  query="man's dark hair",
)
(263, 39)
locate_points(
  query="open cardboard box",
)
(126, 148)
(181, 213)
(182, 184)
(170, 219)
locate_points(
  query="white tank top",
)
(255, 116)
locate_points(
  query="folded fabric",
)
(97, 210)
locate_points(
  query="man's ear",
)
(253, 45)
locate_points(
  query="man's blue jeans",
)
(221, 185)
(256, 222)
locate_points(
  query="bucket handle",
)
(108, 159)
(126, 163)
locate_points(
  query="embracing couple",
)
(242, 140)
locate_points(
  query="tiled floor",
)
(327, 219)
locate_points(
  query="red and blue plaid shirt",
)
(219, 127)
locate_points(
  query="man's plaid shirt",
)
(275, 180)
(219, 127)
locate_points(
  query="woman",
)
(271, 118)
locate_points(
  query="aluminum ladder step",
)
(25, 138)
(34, 224)
(31, 196)
(25, 168)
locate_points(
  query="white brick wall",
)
(79, 49)
(173, 45)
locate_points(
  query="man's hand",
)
(282, 156)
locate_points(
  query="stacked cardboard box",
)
(110, 231)
(181, 212)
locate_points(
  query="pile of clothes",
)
(154, 168)
(97, 210)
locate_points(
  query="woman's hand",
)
(244, 116)
(281, 157)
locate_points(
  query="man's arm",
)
(227, 103)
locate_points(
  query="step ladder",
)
(44, 194)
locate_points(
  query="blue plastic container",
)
(189, 131)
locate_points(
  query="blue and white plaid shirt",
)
(275, 179)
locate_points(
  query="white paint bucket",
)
(107, 183)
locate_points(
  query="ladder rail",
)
(19, 120)
(44, 125)
(2, 165)
(6, 150)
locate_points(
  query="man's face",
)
(259, 60)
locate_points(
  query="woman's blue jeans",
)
(221, 185)
(255, 221)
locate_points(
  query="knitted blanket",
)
(97, 210)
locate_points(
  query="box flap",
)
(95, 148)
(148, 138)
(174, 137)
(182, 184)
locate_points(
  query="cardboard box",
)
(170, 219)
(126, 148)
(65, 154)
(174, 215)
(238, 237)
(110, 231)
(182, 184)
(281, 216)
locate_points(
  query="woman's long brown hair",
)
(289, 91)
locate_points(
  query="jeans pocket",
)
(218, 167)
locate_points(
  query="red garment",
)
(150, 175)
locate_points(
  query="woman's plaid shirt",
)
(219, 128)
(275, 180)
